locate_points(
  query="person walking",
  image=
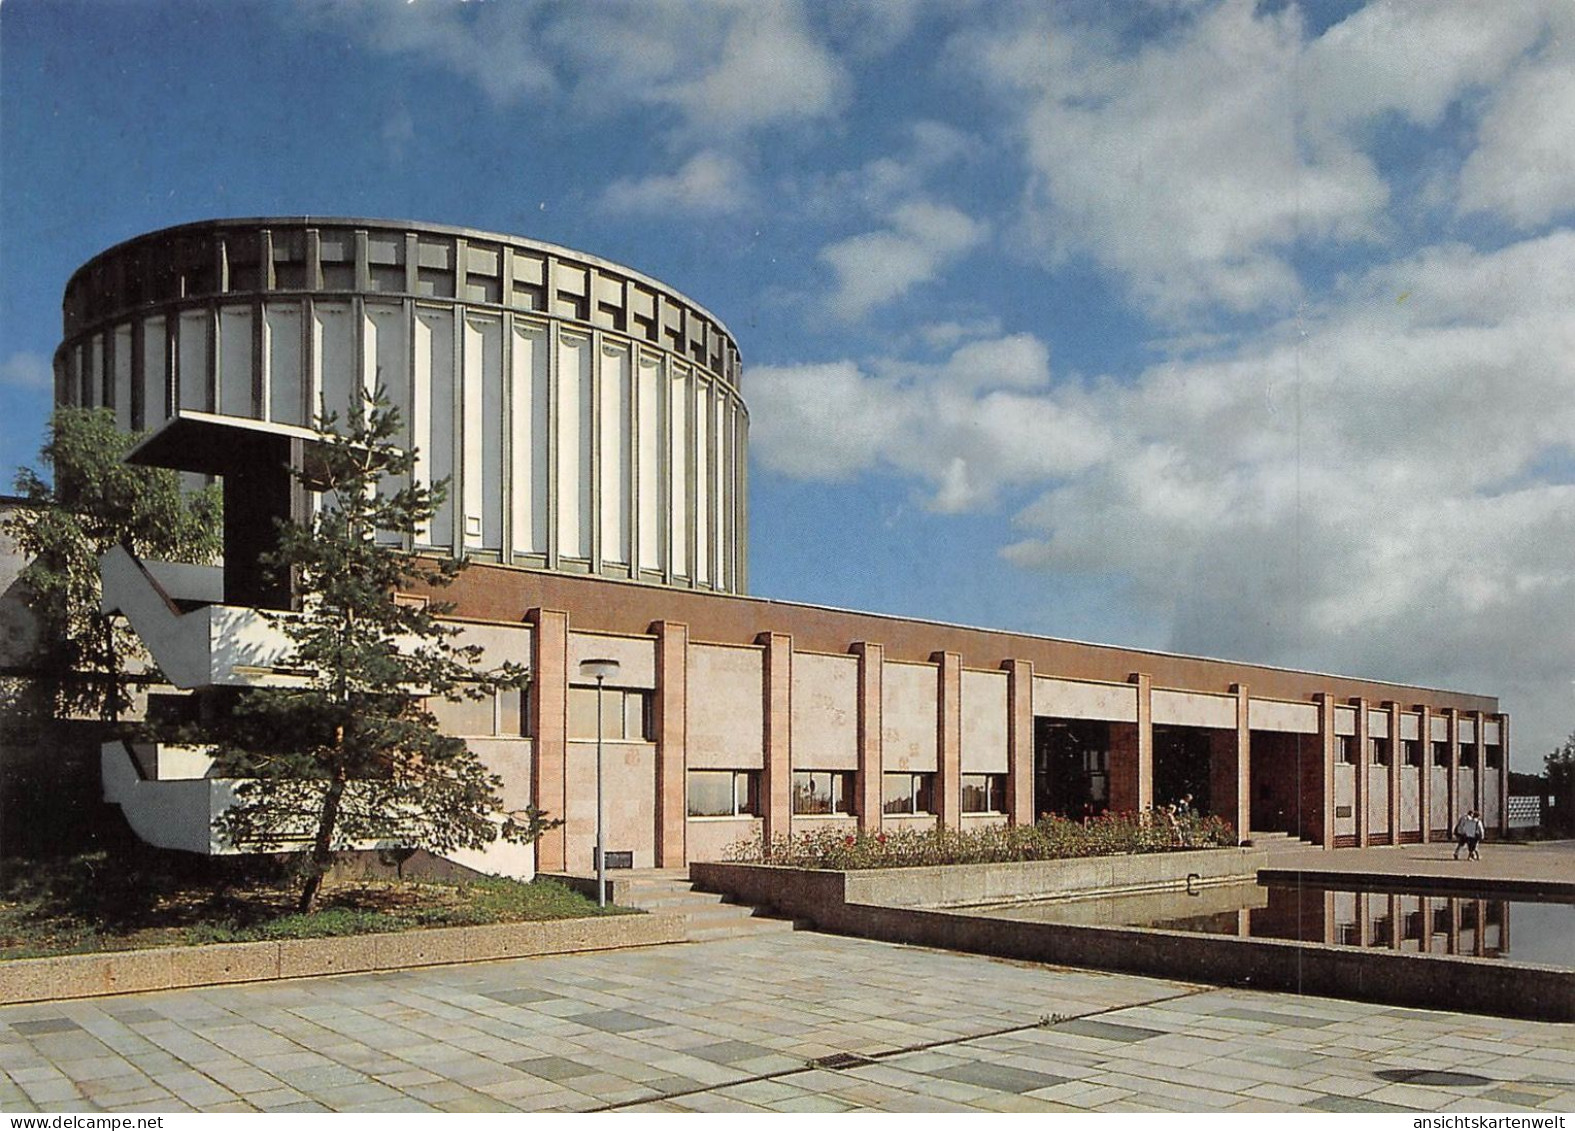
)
(1478, 833)
(1463, 830)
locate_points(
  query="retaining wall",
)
(181, 967)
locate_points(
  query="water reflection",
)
(1420, 924)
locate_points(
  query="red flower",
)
(848, 841)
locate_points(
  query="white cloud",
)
(1383, 485)
(1194, 166)
(708, 182)
(769, 70)
(25, 370)
(967, 427)
(1524, 164)
(1179, 166)
(877, 267)
(1414, 57)
(720, 68)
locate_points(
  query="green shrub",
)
(1054, 838)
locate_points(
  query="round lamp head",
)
(598, 669)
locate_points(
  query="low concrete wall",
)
(960, 885)
(1427, 981)
(181, 967)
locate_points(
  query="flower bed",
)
(1054, 838)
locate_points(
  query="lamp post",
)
(600, 671)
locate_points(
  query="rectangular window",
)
(1378, 749)
(984, 793)
(1441, 754)
(724, 793)
(1495, 757)
(1412, 750)
(501, 713)
(1467, 754)
(822, 792)
(627, 714)
(907, 794)
(1347, 751)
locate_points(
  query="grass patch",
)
(103, 901)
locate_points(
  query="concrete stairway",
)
(1274, 842)
(707, 915)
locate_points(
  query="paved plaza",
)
(780, 1022)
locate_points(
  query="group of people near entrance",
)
(1469, 831)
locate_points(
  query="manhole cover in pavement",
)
(1433, 1076)
(841, 1060)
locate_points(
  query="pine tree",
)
(350, 754)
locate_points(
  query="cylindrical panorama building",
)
(587, 418)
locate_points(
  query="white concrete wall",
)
(1075, 699)
(1194, 709)
(909, 716)
(825, 712)
(726, 708)
(984, 736)
(636, 656)
(1279, 715)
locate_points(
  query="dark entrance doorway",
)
(1182, 759)
(1071, 767)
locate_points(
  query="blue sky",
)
(1225, 328)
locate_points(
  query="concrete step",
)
(671, 900)
(1276, 841)
(756, 926)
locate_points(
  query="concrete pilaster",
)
(776, 787)
(1452, 814)
(1019, 741)
(1364, 770)
(1145, 738)
(672, 704)
(1396, 760)
(1327, 744)
(1425, 799)
(872, 659)
(1503, 794)
(948, 746)
(1479, 761)
(549, 724)
(1243, 763)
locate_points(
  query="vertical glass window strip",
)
(282, 345)
(616, 452)
(650, 462)
(193, 357)
(155, 373)
(575, 407)
(235, 362)
(432, 415)
(529, 454)
(122, 379)
(702, 449)
(678, 405)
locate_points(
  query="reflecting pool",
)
(1478, 924)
